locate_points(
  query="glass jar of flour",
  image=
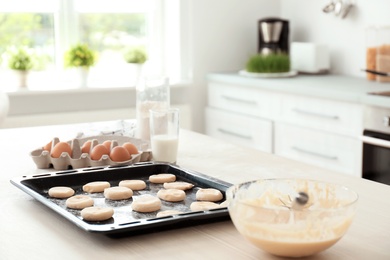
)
(378, 52)
(152, 93)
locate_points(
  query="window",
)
(48, 28)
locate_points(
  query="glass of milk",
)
(164, 134)
(152, 93)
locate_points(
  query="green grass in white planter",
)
(271, 63)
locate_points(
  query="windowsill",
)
(40, 100)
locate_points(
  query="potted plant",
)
(81, 57)
(270, 63)
(21, 61)
(135, 57)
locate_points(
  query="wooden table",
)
(30, 230)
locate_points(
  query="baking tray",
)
(125, 221)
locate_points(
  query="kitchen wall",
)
(223, 36)
(345, 37)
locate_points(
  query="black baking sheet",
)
(126, 221)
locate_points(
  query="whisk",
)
(298, 203)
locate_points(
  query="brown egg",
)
(59, 148)
(107, 144)
(119, 154)
(131, 148)
(47, 147)
(86, 147)
(98, 151)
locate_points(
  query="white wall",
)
(223, 36)
(345, 37)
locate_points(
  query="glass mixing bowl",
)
(291, 217)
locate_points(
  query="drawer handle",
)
(300, 111)
(245, 101)
(224, 131)
(301, 150)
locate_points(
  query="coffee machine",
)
(273, 36)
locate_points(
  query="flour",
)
(142, 113)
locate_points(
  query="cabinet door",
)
(239, 129)
(243, 100)
(330, 151)
(322, 114)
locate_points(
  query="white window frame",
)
(173, 36)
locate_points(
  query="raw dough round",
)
(165, 213)
(146, 203)
(118, 193)
(162, 177)
(203, 205)
(96, 186)
(180, 185)
(209, 194)
(97, 213)
(224, 204)
(133, 184)
(79, 202)
(61, 192)
(172, 195)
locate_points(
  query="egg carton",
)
(43, 160)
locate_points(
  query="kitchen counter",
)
(336, 87)
(30, 230)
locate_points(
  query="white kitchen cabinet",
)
(241, 99)
(240, 129)
(322, 114)
(303, 127)
(324, 149)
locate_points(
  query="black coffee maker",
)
(273, 36)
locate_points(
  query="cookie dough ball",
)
(209, 194)
(179, 185)
(165, 213)
(133, 184)
(172, 195)
(203, 205)
(79, 202)
(96, 186)
(118, 193)
(162, 177)
(146, 203)
(97, 213)
(61, 192)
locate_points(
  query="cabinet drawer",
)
(331, 151)
(239, 129)
(243, 100)
(322, 114)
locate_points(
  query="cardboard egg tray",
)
(43, 160)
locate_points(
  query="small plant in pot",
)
(270, 63)
(135, 57)
(21, 61)
(81, 57)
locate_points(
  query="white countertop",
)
(30, 230)
(336, 87)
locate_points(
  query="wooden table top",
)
(30, 230)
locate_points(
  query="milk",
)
(164, 148)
